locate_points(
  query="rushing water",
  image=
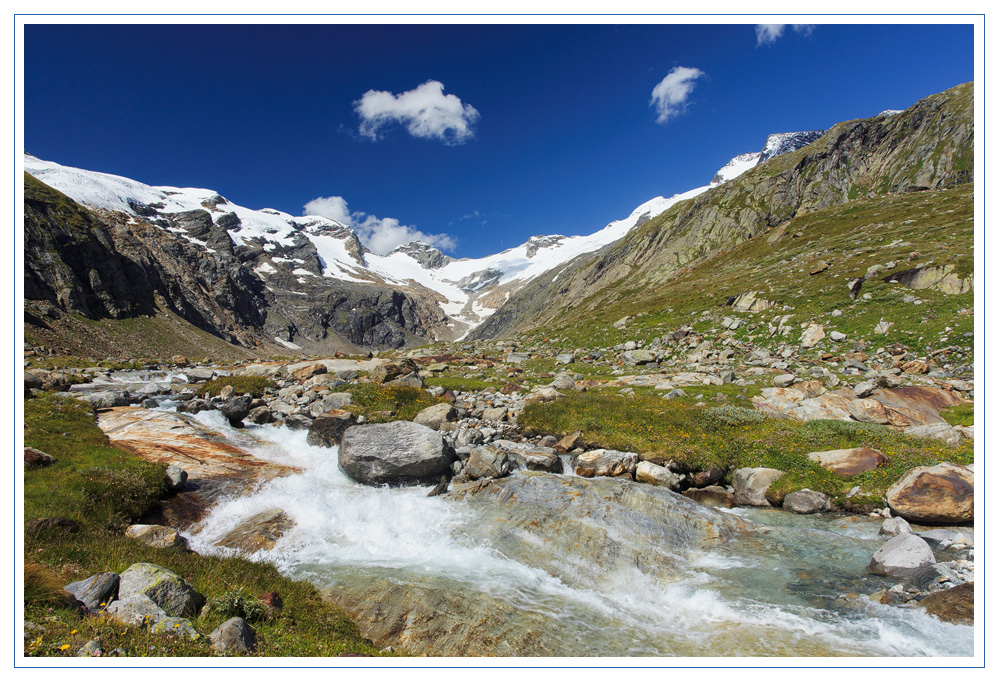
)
(783, 590)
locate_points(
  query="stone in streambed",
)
(394, 453)
(901, 556)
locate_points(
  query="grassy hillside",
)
(935, 226)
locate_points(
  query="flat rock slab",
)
(919, 405)
(214, 468)
(175, 439)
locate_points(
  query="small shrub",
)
(129, 493)
(235, 604)
(731, 416)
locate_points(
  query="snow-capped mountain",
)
(302, 255)
(777, 143)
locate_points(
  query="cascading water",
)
(452, 576)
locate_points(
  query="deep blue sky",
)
(565, 141)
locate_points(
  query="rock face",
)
(751, 484)
(942, 494)
(849, 462)
(902, 555)
(394, 453)
(115, 265)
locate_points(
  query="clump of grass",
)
(43, 588)
(242, 384)
(963, 415)
(732, 416)
(381, 403)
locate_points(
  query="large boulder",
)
(328, 428)
(940, 494)
(750, 484)
(901, 556)
(394, 453)
(311, 370)
(849, 462)
(175, 596)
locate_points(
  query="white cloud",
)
(425, 111)
(670, 95)
(768, 34)
(381, 235)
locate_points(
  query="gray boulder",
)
(175, 596)
(236, 409)
(108, 399)
(234, 636)
(488, 462)
(336, 400)
(96, 591)
(750, 485)
(195, 375)
(394, 453)
(901, 556)
(806, 502)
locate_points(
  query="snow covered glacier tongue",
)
(300, 260)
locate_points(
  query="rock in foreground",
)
(394, 453)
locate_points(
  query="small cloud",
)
(381, 235)
(670, 95)
(425, 111)
(768, 34)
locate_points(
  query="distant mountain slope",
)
(930, 145)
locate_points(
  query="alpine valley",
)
(736, 422)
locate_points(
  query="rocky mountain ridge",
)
(928, 146)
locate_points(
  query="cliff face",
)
(928, 146)
(103, 264)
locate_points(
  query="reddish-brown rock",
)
(955, 605)
(850, 462)
(716, 496)
(302, 374)
(942, 494)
